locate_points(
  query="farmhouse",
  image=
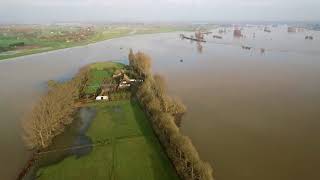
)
(104, 85)
(118, 73)
(292, 29)
(267, 29)
(237, 33)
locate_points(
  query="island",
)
(133, 134)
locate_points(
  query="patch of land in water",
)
(124, 145)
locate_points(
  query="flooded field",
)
(67, 144)
(252, 114)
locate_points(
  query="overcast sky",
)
(35, 11)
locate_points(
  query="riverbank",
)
(53, 39)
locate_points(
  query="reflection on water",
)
(199, 47)
(253, 115)
(86, 115)
(75, 134)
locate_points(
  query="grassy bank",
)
(133, 151)
(43, 39)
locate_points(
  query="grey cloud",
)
(157, 10)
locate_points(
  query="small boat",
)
(217, 37)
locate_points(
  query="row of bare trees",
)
(140, 63)
(163, 111)
(53, 112)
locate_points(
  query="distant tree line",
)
(11, 46)
(54, 111)
(163, 110)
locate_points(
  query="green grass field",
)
(39, 46)
(106, 65)
(133, 153)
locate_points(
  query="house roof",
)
(126, 78)
(118, 73)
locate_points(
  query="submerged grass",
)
(133, 151)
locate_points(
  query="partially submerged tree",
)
(131, 58)
(154, 105)
(164, 112)
(53, 112)
(176, 106)
(140, 62)
(49, 116)
(160, 85)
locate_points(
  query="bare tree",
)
(160, 85)
(142, 64)
(163, 110)
(176, 106)
(154, 105)
(131, 58)
(53, 112)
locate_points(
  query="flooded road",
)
(252, 115)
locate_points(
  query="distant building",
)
(300, 29)
(237, 33)
(118, 73)
(292, 29)
(223, 30)
(107, 87)
(267, 29)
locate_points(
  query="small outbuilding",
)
(102, 98)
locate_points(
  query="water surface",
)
(252, 115)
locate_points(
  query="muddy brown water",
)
(252, 115)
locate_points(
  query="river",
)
(252, 115)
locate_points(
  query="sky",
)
(47, 11)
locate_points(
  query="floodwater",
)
(252, 115)
(61, 147)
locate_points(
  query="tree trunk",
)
(192, 171)
(41, 139)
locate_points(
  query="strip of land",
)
(130, 149)
(134, 151)
(20, 40)
(125, 144)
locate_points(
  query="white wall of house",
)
(102, 98)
